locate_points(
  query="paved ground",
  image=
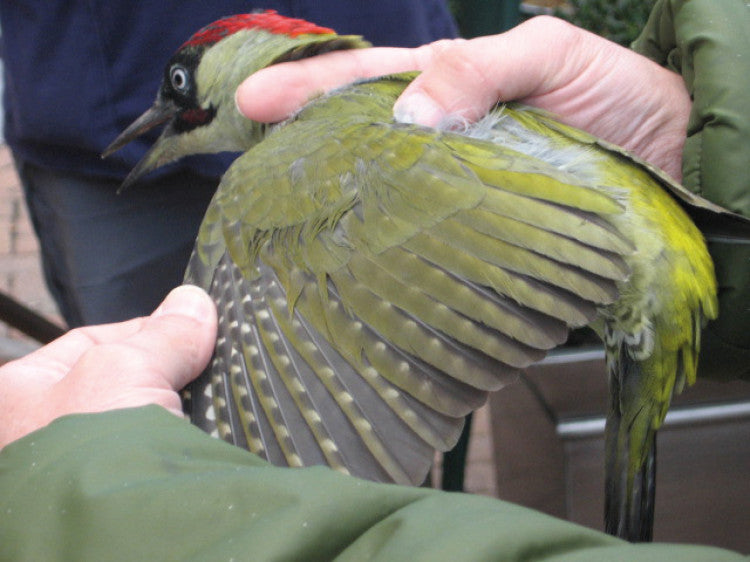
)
(21, 277)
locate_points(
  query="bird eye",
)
(178, 76)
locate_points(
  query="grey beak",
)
(157, 114)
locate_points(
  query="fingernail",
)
(237, 99)
(186, 300)
(418, 109)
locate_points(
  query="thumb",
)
(155, 357)
(180, 335)
(453, 84)
(465, 78)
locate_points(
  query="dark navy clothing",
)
(109, 257)
(76, 74)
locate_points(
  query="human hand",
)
(97, 368)
(587, 81)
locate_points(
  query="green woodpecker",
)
(375, 280)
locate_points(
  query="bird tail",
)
(630, 453)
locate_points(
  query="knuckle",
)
(443, 50)
(551, 27)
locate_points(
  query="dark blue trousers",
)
(109, 257)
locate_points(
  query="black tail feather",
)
(630, 515)
(628, 503)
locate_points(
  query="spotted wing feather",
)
(374, 287)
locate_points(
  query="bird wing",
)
(376, 281)
(556, 131)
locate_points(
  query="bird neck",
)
(228, 63)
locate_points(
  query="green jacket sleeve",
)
(141, 484)
(708, 43)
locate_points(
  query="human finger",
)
(466, 78)
(272, 94)
(170, 348)
(60, 354)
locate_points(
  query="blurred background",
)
(20, 268)
(617, 20)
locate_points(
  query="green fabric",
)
(725, 344)
(141, 484)
(708, 43)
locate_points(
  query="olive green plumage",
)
(375, 280)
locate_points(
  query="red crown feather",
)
(269, 20)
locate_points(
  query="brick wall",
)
(20, 268)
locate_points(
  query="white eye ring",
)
(178, 76)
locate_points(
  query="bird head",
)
(196, 96)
